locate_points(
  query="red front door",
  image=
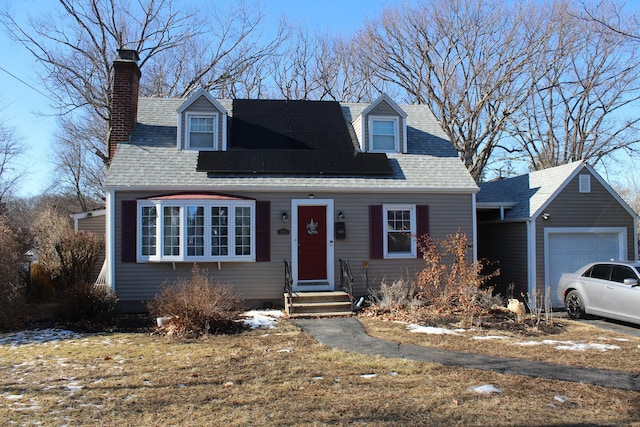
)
(312, 243)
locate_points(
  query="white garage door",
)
(566, 251)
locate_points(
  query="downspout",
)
(110, 242)
(474, 220)
(531, 259)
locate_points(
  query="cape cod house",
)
(239, 186)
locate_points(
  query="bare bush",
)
(78, 253)
(12, 295)
(450, 282)
(86, 301)
(398, 295)
(197, 306)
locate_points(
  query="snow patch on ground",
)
(261, 319)
(559, 345)
(432, 330)
(486, 389)
(37, 336)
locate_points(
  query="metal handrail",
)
(346, 278)
(288, 285)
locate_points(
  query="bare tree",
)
(11, 148)
(78, 171)
(579, 109)
(183, 50)
(468, 60)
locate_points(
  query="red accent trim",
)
(376, 246)
(129, 230)
(196, 196)
(263, 231)
(422, 223)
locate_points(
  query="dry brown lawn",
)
(276, 377)
(606, 350)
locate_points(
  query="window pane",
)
(219, 231)
(148, 232)
(171, 218)
(399, 242)
(243, 230)
(195, 230)
(201, 140)
(383, 127)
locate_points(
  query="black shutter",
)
(376, 247)
(129, 230)
(422, 223)
(263, 232)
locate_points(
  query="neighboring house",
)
(240, 186)
(540, 225)
(93, 222)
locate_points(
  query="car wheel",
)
(574, 304)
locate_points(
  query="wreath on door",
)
(312, 227)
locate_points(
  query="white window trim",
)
(182, 204)
(413, 231)
(396, 137)
(187, 130)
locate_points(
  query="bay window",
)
(196, 230)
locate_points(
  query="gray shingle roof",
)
(528, 192)
(152, 159)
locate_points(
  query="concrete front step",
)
(318, 304)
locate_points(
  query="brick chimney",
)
(124, 99)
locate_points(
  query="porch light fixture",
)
(311, 196)
(285, 217)
(340, 216)
(546, 216)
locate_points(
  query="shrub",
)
(78, 253)
(87, 302)
(450, 282)
(197, 306)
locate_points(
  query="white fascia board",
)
(290, 188)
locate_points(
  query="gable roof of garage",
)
(526, 196)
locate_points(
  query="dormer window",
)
(383, 134)
(202, 131)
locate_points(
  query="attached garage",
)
(567, 249)
(548, 222)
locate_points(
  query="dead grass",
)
(519, 345)
(274, 377)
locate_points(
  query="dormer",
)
(202, 123)
(382, 127)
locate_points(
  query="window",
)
(383, 134)
(202, 131)
(599, 271)
(206, 230)
(399, 228)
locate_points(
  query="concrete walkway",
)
(348, 334)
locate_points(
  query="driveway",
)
(607, 324)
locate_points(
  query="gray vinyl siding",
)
(383, 109)
(504, 246)
(93, 224)
(96, 225)
(264, 281)
(202, 105)
(574, 209)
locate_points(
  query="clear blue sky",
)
(29, 113)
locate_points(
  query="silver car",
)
(608, 289)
